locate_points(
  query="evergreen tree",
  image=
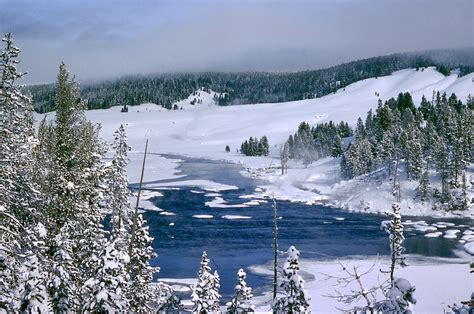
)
(140, 292)
(360, 129)
(33, 294)
(240, 302)
(400, 293)
(337, 148)
(295, 299)
(71, 157)
(104, 292)
(22, 258)
(205, 294)
(118, 198)
(424, 187)
(395, 230)
(61, 282)
(284, 157)
(263, 146)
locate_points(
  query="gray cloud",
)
(102, 39)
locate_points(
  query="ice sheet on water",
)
(433, 234)
(203, 216)
(167, 214)
(235, 217)
(219, 202)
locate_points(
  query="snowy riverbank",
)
(439, 282)
(203, 130)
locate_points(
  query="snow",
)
(253, 203)
(197, 192)
(203, 131)
(212, 195)
(469, 247)
(235, 217)
(167, 214)
(148, 194)
(41, 230)
(203, 216)
(152, 208)
(433, 293)
(219, 202)
(451, 234)
(433, 234)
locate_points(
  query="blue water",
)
(234, 244)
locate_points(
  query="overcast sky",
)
(106, 39)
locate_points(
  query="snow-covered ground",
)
(204, 129)
(439, 282)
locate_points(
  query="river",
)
(319, 232)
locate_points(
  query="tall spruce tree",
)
(22, 259)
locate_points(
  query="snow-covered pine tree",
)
(140, 291)
(400, 293)
(164, 299)
(295, 299)
(399, 297)
(10, 262)
(205, 294)
(118, 195)
(61, 282)
(394, 228)
(33, 294)
(240, 302)
(105, 291)
(22, 259)
(337, 147)
(17, 141)
(123, 223)
(70, 155)
(424, 188)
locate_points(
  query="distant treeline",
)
(253, 87)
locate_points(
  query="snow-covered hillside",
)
(204, 129)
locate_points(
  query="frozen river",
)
(238, 237)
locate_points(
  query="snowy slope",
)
(203, 130)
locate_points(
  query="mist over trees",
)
(311, 143)
(252, 87)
